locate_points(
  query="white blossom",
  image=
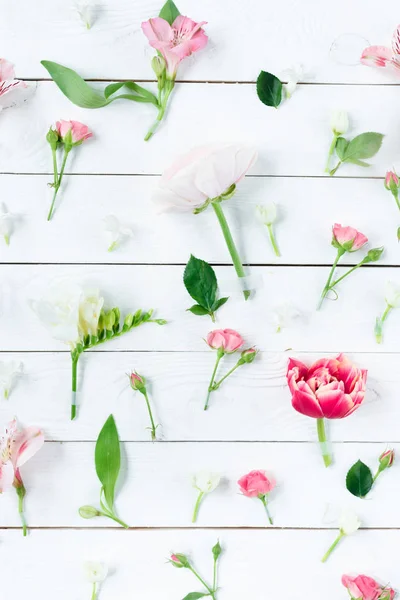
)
(206, 481)
(392, 294)
(267, 213)
(339, 122)
(284, 316)
(87, 13)
(9, 371)
(95, 572)
(115, 233)
(89, 312)
(6, 225)
(349, 522)
(292, 76)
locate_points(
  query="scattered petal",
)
(8, 374)
(95, 572)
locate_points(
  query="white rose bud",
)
(339, 122)
(392, 294)
(267, 213)
(349, 522)
(95, 572)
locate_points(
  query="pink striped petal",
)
(377, 56)
(25, 444)
(396, 43)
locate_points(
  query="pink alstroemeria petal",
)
(6, 476)
(25, 444)
(377, 56)
(6, 70)
(396, 43)
(159, 32)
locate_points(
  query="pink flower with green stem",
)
(347, 239)
(174, 42)
(16, 448)
(257, 485)
(363, 587)
(181, 561)
(67, 134)
(392, 184)
(208, 176)
(138, 384)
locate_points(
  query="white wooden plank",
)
(345, 325)
(253, 564)
(156, 489)
(280, 136)
(307, 209)
(252, 405)
(237, 50)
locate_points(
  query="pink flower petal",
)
(396, 43)
(158, 31)
(25, 444)
(376, 56)
(6, 476)
(306, 404)
(6, 70)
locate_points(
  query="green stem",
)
(67, 150)
(153, 427)
(197, 506)
(210, 387)
(111, 515)
(331, 548)
(328, 286)
(55, 166)
(209, 590)
(21, 495)
(218, 383)
(331, 173)
(215, 576)
(74, 385)
(357, 266)
(94, 594)
(161, 112)
(380, 322)
(396, 197)
(331, 150)
(230, 243)
(265, 504)
(322, 440)
(273, 240)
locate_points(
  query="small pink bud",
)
(391, 179)
(180, 561)
(247, 356)
(386, 459)
(137, 382)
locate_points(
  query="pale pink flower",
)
(383, 57)
(204, 173)
(16, 448)
(227, 340)
(366, 588)
(390, 179)
(255, 484)
(175, 42)
(8, 84)
(348, 238)
(78, 131)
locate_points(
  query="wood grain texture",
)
(293, 140)
(242, 39)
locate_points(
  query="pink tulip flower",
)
(257, 485)
(347, 238)
(175, 42)
(366, 588)
(73, 132)
(16, 448)
(8, 84)
(332, 388)
(383, 57)
(225, 340)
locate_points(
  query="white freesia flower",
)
(267, 213)
(95, 572)
(6, 219)
(87, 13)
(8, 373)
(292, 76)
(284, 316)
(339, 122)
(115, 233)
(205, 481)
(349, 522)
(392, 294)
(68, 312)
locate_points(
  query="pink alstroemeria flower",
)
(383, 57)
(175, 42)
(78, 131)
(8, 84)
(347, 238)
(366, 588)
(332, 388)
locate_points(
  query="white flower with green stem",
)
(204, 482)
(268, 215)
(392, 299)
(349, 523)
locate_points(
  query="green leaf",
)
(201, 283)
(74, 87)
(195, 596)
(359, 479)
(112, 88)
(169, 12)
(356, 161)
(269, 89)
(108, 459)
(219, 303)
(198, 310)
(364, 145)
(341, 145)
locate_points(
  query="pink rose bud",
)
(256, 484)
(332, 387)
(137, 382)
(247, 356)
(180, 561)
(386, 460)
(366, 588)
(225, 340)
(391, 181)
(347, 238)
(73, 133)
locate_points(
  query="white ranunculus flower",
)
(87, 12)
(339, 122)
(204, 173)
(267, 213)
(89, 312)
(292, 76)
(392, 294)
(95, 572)
(205, 481)
(115, 232)
(349, 522)
(9, 371)
(6, 219)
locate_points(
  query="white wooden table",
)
(251, 424)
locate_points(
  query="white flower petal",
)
(6, 223)
(284, 316)
(349, 522)
(87, 13)
(392, 294)
(89, 312)
(267, 213)
(292, 76)
(206, 481)
(339, 122)
(8, 373)
(115, 232)
(95, 572)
